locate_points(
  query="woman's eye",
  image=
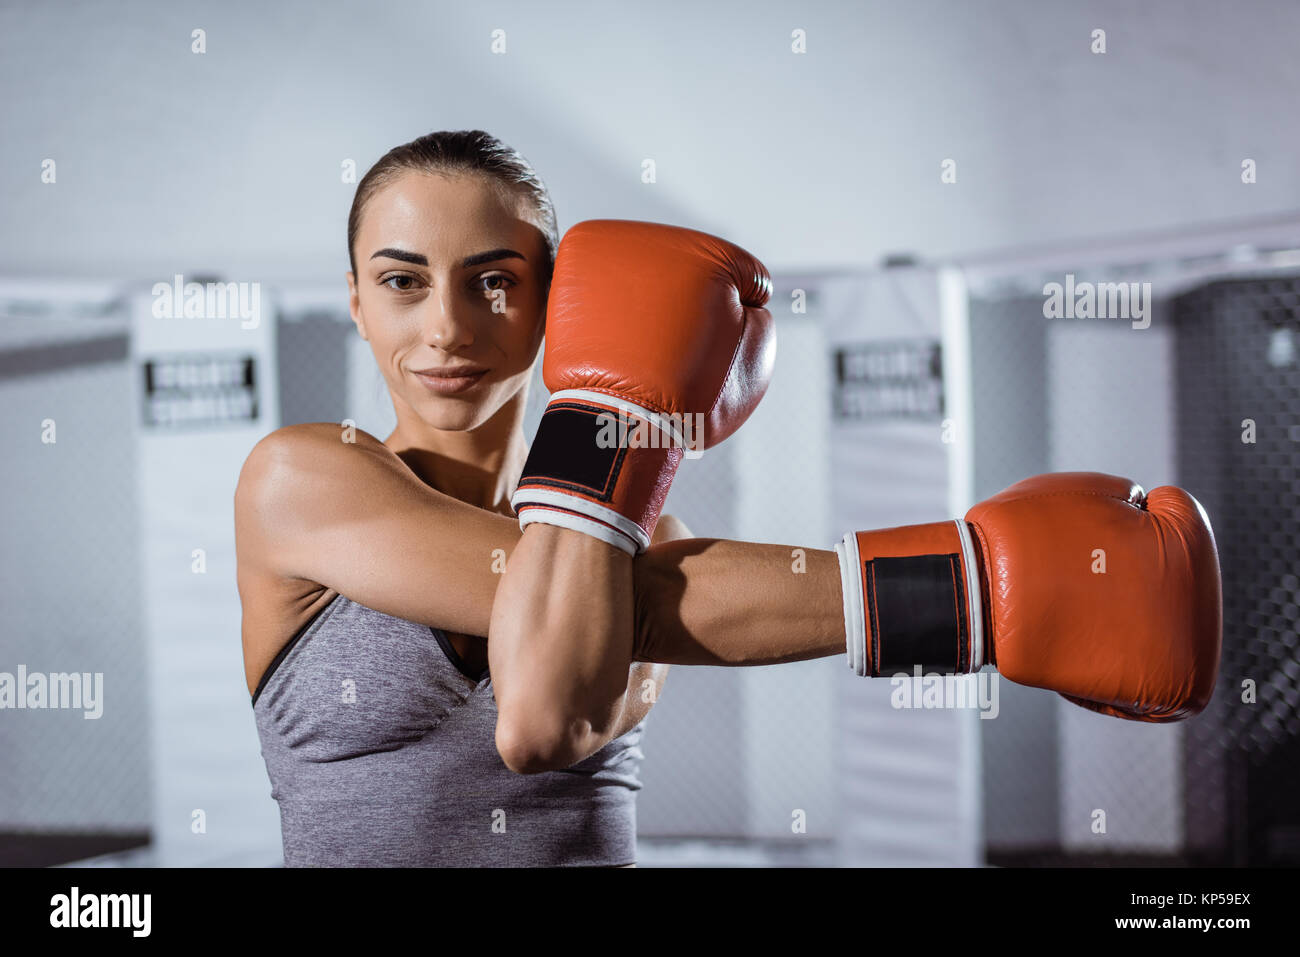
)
(409, 282)
(500, 281)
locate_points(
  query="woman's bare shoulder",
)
(291, 444)
(294, 461)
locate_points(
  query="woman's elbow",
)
(531, 744)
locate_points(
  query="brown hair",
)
(460, 151)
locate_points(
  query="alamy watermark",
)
(935, 691)
(208, 300)
(1105, 300)
(657, 431)
(76, 690)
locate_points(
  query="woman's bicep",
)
(352, 517)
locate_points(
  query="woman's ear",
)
(354, 307)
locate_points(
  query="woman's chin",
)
(452, 414)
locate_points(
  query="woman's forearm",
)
(560, 648)
(704, 601)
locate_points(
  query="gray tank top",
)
(381, 751)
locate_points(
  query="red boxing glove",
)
(657, 342)
(1077, 582)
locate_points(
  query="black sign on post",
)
(199, 389)
(901, 379)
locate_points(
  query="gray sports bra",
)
(380, 747)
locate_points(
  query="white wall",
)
(229, 161)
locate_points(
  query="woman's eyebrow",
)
(476, 260)
(414, 259)
(492, 254)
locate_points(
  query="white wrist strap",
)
(855, 617)
(541, 515)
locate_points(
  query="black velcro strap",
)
(916, 613)
(565, 453)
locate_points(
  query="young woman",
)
(369, 571)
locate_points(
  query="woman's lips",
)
(449, 384)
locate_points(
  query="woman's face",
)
(448, 294)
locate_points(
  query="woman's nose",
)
(447, 324)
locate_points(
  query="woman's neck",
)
(480, 466)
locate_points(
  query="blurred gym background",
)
(915, 175)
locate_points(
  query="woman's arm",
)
(694, 601)
(646, 678)
(349, 515)
(709, 601)
(352, 517)
(562, 637)
(567, 693)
